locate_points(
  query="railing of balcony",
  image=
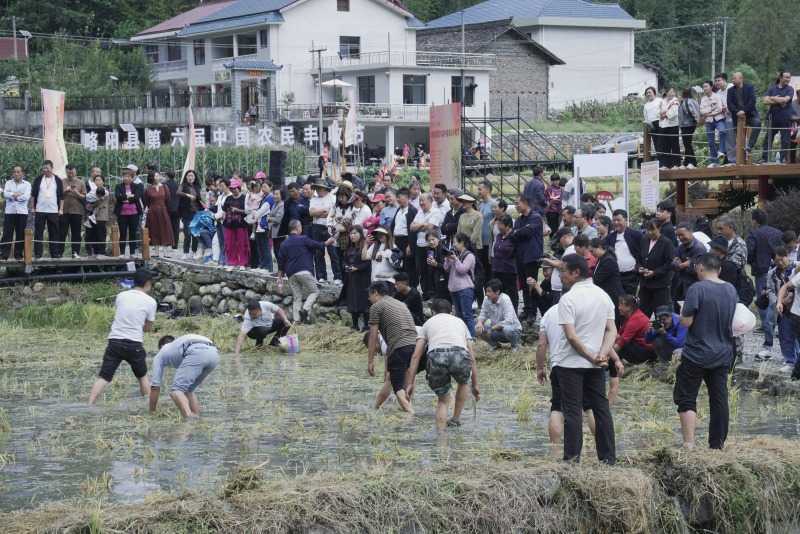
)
(156, 100)
(409, 59)
(407, 112)
(169, 66)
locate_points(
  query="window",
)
(174, 52)
(263, 36)
(469, 90)
(349, 46)
(151, 52)
(342, 5)
(366, 89)
(222, 47)
(247, 44)
(200, 52)
(414, 89)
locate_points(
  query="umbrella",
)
(336, 83)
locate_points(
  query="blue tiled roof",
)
(211, 26)
(243, 8)
(493, 10)
(252, 64)
(414, 22)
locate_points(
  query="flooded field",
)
(292, 414)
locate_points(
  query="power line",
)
(699, 25)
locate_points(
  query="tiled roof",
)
(252, 64)
(492, 10)
(213, 26)
(184, 19)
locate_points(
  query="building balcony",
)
(418, 113)
(401, 58)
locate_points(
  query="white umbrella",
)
(336, 83)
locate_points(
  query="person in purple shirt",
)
(779, 99)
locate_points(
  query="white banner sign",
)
(242, 136)
(650, 181)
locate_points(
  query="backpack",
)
(263, 223)
(745, 288)
(396, 259)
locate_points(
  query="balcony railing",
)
(153, 101)
(169, 66)
(387, 112)
(402, 58)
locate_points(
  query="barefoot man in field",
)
(134, 315)
(193, 357)
(450, 356)
(389, 318)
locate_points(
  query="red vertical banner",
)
(445, 143)
(53, 125)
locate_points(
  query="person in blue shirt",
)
(194, 357)
(779, 99)
(669, 336)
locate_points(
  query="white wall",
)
(599, 63)
(320, 22)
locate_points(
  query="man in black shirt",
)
(410, 297)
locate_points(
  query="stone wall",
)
(199, 289)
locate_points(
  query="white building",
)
(255, 55)
(595, 42)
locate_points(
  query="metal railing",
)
(169, 66)
(407, 112)
(153, 101)
(403, 58)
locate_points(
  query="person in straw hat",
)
(319, 207)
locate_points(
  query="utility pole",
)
(724, 42)
(713, 51)
(14, 37)
(319, 52)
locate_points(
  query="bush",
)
(782, 212)
(624, 114)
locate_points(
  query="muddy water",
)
(305, 413)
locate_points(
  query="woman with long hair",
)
(379, 252)
(652, 117)
(158, 224)
(669, 125)
(356, 276)
(237, 234)
(191, 201)
(460, 266)
(606, 273)
(688, 117)
(128, 208)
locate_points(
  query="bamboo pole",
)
(741, 140)
(146, 244)
(646, 152)
(115, 240)
(28, 248)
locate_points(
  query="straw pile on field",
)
(750, 487)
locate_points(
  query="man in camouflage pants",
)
(450, 356)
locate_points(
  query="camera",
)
(656, 324)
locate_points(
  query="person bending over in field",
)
(448, 345)
(390, 319)
(193, 357)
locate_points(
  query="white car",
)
(622, 143)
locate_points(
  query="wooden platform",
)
(728, 172)
(67, 263)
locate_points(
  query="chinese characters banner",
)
(445, 143)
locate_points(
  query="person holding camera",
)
(666, 334)
(433, 268)
(459, 262)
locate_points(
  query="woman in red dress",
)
(236, 229)
(158, 222)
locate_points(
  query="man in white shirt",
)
(193, 357)
(48, 205)
(260, 320)
(16, 193)
(586, 314)
(134, 315)
(498, 321)
(450, 356)
(440, 201)
(319, 208)
(399, 226)
(626, 243)
(426, 220)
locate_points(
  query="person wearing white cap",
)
(128, 208)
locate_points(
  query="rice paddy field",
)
(289, 418)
